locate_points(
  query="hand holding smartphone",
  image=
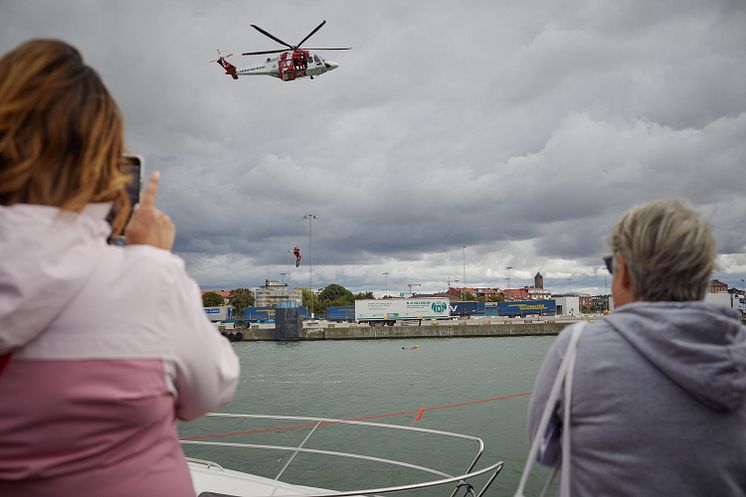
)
(148, 225)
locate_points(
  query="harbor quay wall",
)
(450, 330)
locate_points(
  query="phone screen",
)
(132, 166)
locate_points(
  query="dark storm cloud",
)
(522, 130)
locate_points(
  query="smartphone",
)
(134, 167)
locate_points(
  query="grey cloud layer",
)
(521, 129)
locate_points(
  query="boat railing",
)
(461, 481)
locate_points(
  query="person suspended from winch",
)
(296, 253)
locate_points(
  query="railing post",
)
(290, 460)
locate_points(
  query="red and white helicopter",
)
(289, 65)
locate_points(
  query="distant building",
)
(515, 293)
(539, 281)
(586, 301)
(489, 294)
(526, 293)
(226, 294)
(717, 286)
(458, 293)
(600, 303)
(454, 293)
(539, 294)
(473, 292)
(567, 305)
(273, 293)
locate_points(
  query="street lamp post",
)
(385, 282)
(606, 281)
(310, 218)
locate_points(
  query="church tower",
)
(538, 280)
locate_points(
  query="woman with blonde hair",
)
(104, 347)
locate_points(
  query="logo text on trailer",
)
(439, 306)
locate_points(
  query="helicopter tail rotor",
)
(220, 56)
(230, 69)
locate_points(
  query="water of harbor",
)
(465, 378)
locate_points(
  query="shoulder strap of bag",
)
(565, 371)
(567, 404)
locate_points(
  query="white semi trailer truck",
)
(734, 301)
(388, 311)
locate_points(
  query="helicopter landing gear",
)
(311, 77)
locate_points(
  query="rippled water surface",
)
(462, 377)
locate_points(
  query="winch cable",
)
(417, 412)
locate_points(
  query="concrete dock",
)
(434, 329)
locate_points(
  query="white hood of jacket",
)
(701, 347)
(46, 256)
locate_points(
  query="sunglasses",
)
(609, 261)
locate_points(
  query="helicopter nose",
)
(331, 65)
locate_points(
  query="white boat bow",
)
(210, 479)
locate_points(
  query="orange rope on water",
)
(419, 412)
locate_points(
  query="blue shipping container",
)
(259, 314)
(340, 313)
(527, 307)
(267, 314)
(467, 308)
(219, 313)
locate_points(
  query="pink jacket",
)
(110, 347)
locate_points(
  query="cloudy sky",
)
(519, 129)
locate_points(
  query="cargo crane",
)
(410, 285)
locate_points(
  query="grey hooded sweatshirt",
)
(658, 402)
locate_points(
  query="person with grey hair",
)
(656, 400)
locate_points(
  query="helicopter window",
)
(316, 58)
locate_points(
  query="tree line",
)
(240, 298)
(316, 302)
(331, 295)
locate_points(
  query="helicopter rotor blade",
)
(330, 48)
(264, 52)
(221, 56)
(272, 36)
(312, 33)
